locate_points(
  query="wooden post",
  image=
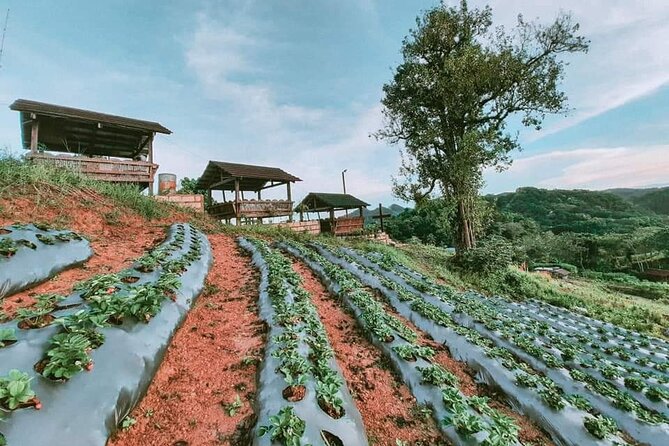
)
(380, 216)
(290, 200)
(34, 135)
(258, 194)
(150, 159)
(237, 200)
(209, 197)
(332, 222)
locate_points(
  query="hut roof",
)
(220, 175)
(67, 129)
(322, 201)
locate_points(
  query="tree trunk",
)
(466, 238)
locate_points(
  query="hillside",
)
(369, 213)
(580, 211)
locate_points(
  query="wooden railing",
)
(252, 209)
(112, 170)
(343, 225)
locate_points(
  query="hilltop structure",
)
(105, 147)
(240, 178)
(330, 203)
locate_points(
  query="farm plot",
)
(539, 346)
(123, 322)
(302, 396)
(463, 420)
(33, 253)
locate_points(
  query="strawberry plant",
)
(232, 408)
(600, 426)
(98, 285)
(7, 337)
(15, 389)
(46, 239)
(634, 383)
(438, 376)
(67, 356)
(328, 395)
(285, 427)
(466, 423)
(8, 246)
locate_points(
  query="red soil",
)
(387, 407)
(117, 238)
(211, 360)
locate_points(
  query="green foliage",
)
(15, 389)
(67, 356)
(128, 422)
(17, 174)
(491, 255)
(284, 427)
(7, 336)
(577, 211)
(232, 408)
(600, 426)
(654, 200)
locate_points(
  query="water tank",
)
(167, 183)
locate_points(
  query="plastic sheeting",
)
(349, 428)
(28, 267)
(565, 427)
(408, 371)
(85, 410)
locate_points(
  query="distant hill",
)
(581, 211)
(393, 210)
(654, 199)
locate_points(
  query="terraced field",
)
(304, 343)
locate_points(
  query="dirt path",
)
(388, 409)
(211, 360)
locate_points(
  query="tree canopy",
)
(449, 100)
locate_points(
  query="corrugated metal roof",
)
(253, 177)
(59, 111)
(319, 201)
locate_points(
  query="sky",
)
(297, 84)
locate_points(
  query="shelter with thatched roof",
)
(240, 178)
(330, 203)
(105, 147)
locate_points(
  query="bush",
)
(492, 255)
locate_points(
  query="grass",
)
(45, 183)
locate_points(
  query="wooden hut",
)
(104, 147)
(330, 203)
(240, 178)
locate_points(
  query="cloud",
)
(589, 168)
(628, 57)
(225, 53)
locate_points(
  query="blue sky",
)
(297, 84)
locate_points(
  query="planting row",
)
(123, 322)
(606, 370)
(302, 397)
(520, 342)
(33, 253)
(463, 420)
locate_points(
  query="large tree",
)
(450, 99)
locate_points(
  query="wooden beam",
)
(237, 206)
(273, 184)
(141, 146)
(150, 145)
(222, 182)
(34, 135)
(290, 200)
